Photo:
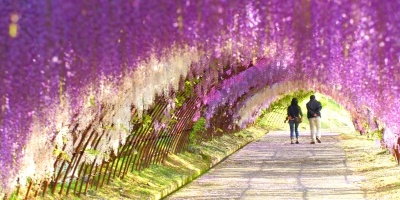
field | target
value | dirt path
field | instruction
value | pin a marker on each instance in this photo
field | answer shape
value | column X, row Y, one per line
column 272, row 168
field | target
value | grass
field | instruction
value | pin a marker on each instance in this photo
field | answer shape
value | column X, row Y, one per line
column 177, row 170
column 378, row 166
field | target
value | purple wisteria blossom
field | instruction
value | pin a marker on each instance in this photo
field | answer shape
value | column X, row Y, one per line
column 55, row 54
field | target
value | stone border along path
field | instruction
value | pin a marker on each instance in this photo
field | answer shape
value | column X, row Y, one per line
column 272, row 168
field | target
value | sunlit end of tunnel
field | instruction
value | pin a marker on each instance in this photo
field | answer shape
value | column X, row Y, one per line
column 92, row 91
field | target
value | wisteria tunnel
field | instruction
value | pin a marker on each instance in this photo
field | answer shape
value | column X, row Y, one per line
column 95, row 89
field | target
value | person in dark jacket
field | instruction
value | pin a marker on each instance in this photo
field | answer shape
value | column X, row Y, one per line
column 293, row 111
column 314, row 117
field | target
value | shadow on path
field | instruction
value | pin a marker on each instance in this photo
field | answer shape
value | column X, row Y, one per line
column 272, row 168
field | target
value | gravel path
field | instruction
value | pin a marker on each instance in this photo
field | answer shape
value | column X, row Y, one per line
column 272, row 168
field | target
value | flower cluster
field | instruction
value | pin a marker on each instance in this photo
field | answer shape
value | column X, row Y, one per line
column 70, row 67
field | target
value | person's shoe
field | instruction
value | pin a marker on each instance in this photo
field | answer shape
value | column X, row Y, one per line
column 297, row 142
column 319, row 141
column 291, row 142
column 312, row 142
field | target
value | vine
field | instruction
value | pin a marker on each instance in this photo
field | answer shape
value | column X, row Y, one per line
column 198, row 127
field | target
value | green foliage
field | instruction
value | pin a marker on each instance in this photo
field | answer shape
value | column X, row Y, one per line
column 14, row 196
column 244, row 134
column 286, row 100
column 283, row 103
column 146, row 120
column 377, row 134
column 173, row 120
column 122, row 127
column 108, row 127
column 196, row 81
column 187, row 93
column 334, row 117
column 179, row 100
column 92, row 100
column 135, row 119
column 188, row 89
column 198, row 128
column 111, row 127
column 92, row 152
column 63, row 155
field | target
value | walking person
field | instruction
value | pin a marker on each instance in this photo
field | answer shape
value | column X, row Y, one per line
column 293, row 112
column 314, row 117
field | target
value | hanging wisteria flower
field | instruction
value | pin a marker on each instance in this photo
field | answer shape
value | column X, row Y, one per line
column 73, row 67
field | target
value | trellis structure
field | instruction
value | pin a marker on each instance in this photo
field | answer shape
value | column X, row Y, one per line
column 144, row 146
